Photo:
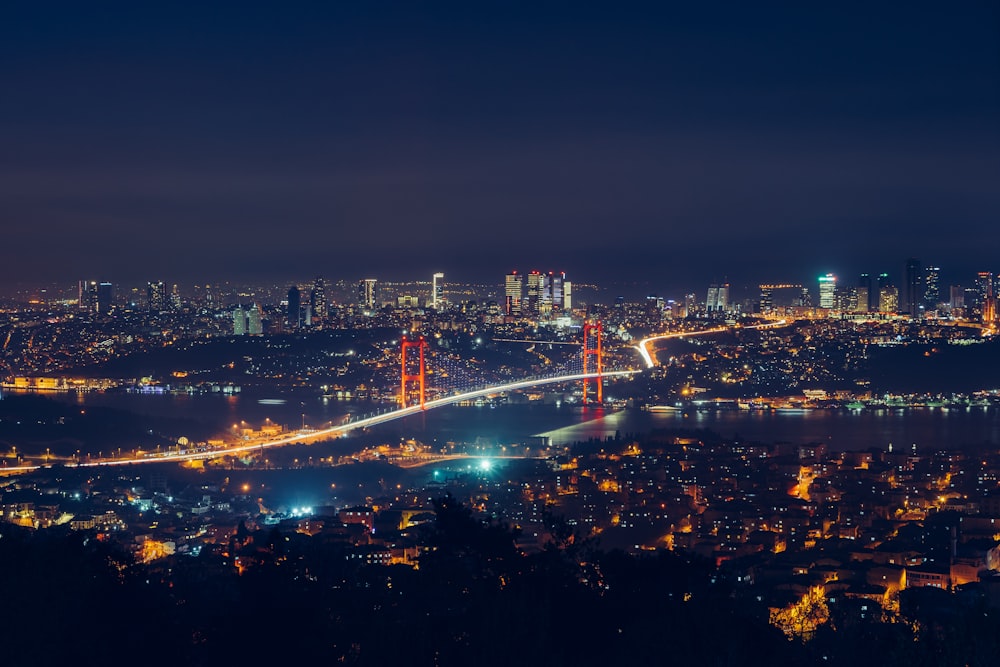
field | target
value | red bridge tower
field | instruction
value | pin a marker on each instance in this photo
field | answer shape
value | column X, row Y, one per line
column 592, row 348
column 419, row 378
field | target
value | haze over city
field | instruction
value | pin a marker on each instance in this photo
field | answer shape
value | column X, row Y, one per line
column 654, row 142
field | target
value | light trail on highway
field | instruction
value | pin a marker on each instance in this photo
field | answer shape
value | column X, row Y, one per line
column 643, row 346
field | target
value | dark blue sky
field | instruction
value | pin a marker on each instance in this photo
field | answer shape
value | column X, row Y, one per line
column 669, row 143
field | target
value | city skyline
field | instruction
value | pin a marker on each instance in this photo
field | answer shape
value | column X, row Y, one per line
column 774, row 143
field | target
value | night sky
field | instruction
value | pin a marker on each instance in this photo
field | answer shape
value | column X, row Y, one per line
column 666, row 143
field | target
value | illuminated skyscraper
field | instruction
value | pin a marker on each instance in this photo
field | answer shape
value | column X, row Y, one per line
column 805, row 298
column 156, row 296
column 437, row 291
column 932, row 289
column 766, row 300
column 556, row 291
column 254, row 325
column 871, row 303
column 888, row 298
column 827, row 291
column 513, row 289
column 239, row 321
column 293, row 316
column 984, row 286
column 535, row 293
column 317, row 300
column 567, row 289
column 989, row 302
column 717, row 300
column 913, row 288
column 368, row 294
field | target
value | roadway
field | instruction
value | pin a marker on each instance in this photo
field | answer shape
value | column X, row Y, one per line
column 647, row 355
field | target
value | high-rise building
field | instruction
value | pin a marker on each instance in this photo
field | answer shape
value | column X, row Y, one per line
column 293, row 316
column 717, row 300
column 567, row 289
column 989, row 302
column 513, row 290
column 83, row 294
column 805, row 298
column 956, row 296
column 827, row 291
column 766, row 299
column 317, row 300
column 865, row 281
column 913, row 288
column 932, row 288
column 437, row 291
column 534, row 293
column 239, row 321
column 888, row 299
column 556, row 291
column 255, row 326
column 368, row 294
column 860, row 301
column 984, row 286
column 105, row 298
column 156, row 296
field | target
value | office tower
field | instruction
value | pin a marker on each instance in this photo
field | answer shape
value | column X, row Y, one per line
column 83, row 295
column 888, row 299
column 156, row 296
column 534, row 293
column 718, row 298
column 239, row 322
column 984, row 286
column 105, row 298
column 860, row 301
column 555, row 295
column 805, row 298
column 913, row 288
column 567, row 288
column 368, row 294
column 932, row 289
column 989, row 303
column 175, row 297
column 865, row 281
column 690, row 305
column 437, row 291
column 513, row 289
column 255, row 326
column 956, row 296
column 827, row 291
column 294, row 313
column 766, row 300
column 317, row 300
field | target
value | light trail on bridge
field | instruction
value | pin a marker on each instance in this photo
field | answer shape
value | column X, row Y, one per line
column 306, row 437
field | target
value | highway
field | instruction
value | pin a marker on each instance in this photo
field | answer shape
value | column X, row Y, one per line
column 308, row 435
column 647, row 356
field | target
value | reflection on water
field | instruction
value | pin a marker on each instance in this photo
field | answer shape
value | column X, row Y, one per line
column 841, row 429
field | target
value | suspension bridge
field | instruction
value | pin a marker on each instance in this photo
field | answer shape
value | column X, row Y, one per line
column 586, row 367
